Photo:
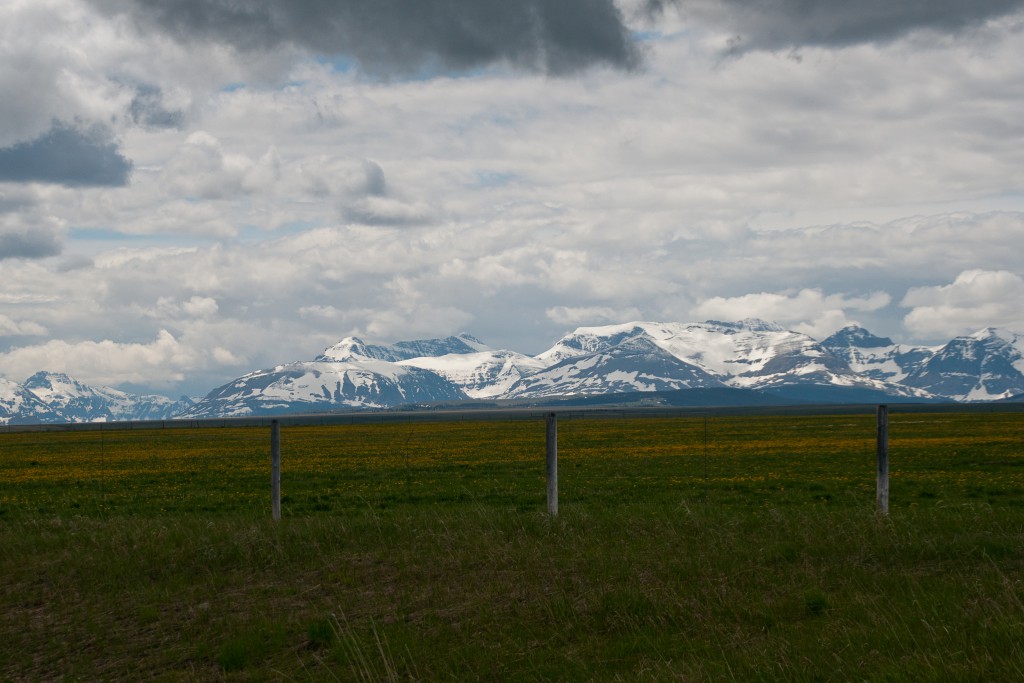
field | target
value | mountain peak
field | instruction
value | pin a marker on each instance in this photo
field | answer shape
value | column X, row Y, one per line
column 48, row 378
column 749, row 324
column 353, row 348
column 420, row 348
column 759, row 325
column 469, row 338
column 983, row 366
column 348, row 348
column 990, row 333
column 57, row 397
column 56, row 386
column 855, row 335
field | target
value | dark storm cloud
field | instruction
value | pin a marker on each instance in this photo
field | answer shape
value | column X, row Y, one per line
column 774, row 24
column 33, row 244
column 66, row 156
column 408, row 36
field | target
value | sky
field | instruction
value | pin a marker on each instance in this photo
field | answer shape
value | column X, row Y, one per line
column 194, row 189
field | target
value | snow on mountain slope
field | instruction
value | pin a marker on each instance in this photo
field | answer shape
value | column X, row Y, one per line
column 746, row 354
column 79, row 402
column 720, row 348
column 325, row 385
column 633, row 364
column 738, row 349
column 18, row 405
column 484, row 374
column 465, row 361
column 985, row 366
column 751, row 354
column 876, row 357
column 851, row 364
column 353, row 348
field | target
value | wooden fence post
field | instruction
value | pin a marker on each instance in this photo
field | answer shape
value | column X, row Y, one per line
column 275, row 470
column 882, row 488
column 552, row 461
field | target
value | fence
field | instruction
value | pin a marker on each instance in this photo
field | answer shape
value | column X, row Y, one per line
column 377, row 461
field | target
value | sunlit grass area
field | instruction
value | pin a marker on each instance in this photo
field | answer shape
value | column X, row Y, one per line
column 723, row 548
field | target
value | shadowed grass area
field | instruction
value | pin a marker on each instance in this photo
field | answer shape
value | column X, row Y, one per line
column 435, row 559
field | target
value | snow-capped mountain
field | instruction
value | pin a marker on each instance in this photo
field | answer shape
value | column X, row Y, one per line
column 749, row 349
column 752, row 354
column 79, row 402
column 751, row 360
column 53, row 397
column 591, row 361
column 633, row 364
column 481, row 374
column 876, row 357
column 985, row 366
column 314, row 386
column 466, row 362
column 18, row 405
column 68, row 396
column 353, row 348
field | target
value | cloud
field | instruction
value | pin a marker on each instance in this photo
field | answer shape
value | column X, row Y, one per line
column 407, row 36
column 167, row 309
column 25, row 328
column 809, row 310
column 410, row 322
column 62, row 60
column 782, row 24
column 371, row 202
column 147, row 109
column 37, row 68
column 26, row 232
column 386, row 211
column 590, row 315
column 201, row 167
column 164, row 359
column 67, row 156
column 200, row 307
column 253, row 224
column 325, row 313
column 36, row 243
column 975, row 299
column 376, row 184
column 863, row 257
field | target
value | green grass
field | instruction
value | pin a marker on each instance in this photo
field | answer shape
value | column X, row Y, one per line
column 422, row 552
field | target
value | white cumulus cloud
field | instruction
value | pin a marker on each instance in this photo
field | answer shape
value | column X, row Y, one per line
column 976, row 298
column 808, row 310
column 162, row 361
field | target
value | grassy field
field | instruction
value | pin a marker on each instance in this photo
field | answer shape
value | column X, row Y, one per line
column 730, row 548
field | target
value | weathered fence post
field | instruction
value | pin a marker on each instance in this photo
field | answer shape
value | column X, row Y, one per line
column 275, row 470
column 552, row 449
column 882, row 488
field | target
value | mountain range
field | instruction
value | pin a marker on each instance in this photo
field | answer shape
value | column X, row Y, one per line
column 54, row 397
column 751, row 362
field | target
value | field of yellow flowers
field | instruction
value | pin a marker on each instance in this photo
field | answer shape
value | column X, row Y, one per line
column 749, row 461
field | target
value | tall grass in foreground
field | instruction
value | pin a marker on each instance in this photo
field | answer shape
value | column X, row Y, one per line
column 772, row 566
column 695, row 593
